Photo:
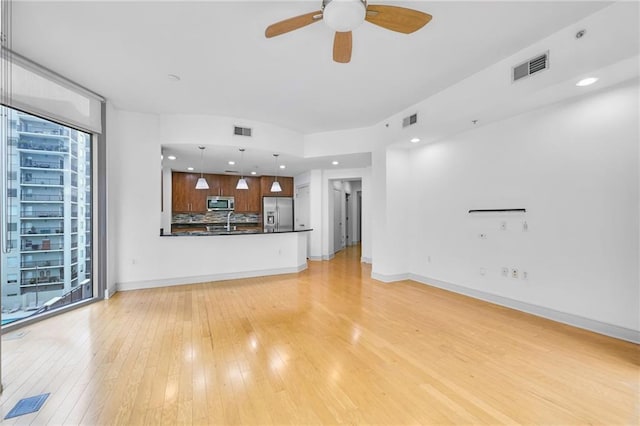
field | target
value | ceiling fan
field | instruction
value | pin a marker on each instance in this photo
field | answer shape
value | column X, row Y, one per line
column 343, row 16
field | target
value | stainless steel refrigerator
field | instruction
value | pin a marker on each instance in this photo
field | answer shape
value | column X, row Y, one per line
column 277, row 214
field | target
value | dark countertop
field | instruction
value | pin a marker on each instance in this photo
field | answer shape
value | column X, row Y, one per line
column 236, row 232
column 187, row 224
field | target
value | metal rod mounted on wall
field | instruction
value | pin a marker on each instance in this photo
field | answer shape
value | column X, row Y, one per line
column 497, row 210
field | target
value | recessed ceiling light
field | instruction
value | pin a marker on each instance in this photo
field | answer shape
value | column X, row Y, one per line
column 171, row 157
column 335, row 163
column 415, row 140
column 254, row 173
column 190, row 169
column 282, row 166
column 586, row 81
column 231, row 163
column 173, row 77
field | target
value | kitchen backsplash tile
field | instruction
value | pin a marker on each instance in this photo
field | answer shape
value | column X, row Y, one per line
column 215, row 217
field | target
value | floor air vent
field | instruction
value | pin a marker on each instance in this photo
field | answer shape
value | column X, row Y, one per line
column 532, row 66
column 408, row 121
column 27, row 405
column 241, row 131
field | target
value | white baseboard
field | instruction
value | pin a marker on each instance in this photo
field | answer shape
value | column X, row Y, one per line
column 540, row 311
column 139, row 285
column 365, row 260
column 328, row 256
column 389, row 278
column 315, row 258
column 110, row 292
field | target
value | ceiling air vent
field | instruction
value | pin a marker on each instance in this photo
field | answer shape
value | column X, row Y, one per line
column 532, row 66
column 241, row 131
column 408, row 121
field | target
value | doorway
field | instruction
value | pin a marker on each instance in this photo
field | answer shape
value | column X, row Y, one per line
column 347, row 223
column 338, row 241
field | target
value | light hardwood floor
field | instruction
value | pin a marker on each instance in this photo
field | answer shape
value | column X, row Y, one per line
column 326, row 346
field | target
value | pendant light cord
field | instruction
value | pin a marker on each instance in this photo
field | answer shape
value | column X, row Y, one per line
column 275, row 156
column 201, row 161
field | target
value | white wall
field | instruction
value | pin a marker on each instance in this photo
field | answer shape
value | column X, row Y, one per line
column 574, row 167
column 215, row 130
column 390, row 256
column 142, row 258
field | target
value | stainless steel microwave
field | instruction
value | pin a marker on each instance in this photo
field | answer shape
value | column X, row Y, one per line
column 216, row 203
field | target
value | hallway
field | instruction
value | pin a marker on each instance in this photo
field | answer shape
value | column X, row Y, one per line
column 326, row 346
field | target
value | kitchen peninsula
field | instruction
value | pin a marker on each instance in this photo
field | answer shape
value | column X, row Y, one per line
column 213, row 254
column 219, row 257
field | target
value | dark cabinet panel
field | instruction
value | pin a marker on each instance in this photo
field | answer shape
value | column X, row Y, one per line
column 286, row 183
column 220, row 184
column 186, row 198
column 184, row 195
column 248, row 200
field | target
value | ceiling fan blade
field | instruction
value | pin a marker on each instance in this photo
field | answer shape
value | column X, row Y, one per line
column 342, row 47
column 292, row 24
column 396, row 18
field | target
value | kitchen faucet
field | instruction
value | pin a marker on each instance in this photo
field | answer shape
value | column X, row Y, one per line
column 229, row 221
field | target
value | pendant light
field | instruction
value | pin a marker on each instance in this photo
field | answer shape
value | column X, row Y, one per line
column 275, row 186
column 202, row 182
column 242, row 182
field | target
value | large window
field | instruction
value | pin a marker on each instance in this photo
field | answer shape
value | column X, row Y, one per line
column 47, row 260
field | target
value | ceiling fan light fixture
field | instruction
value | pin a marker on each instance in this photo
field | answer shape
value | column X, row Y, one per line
column 344, row 15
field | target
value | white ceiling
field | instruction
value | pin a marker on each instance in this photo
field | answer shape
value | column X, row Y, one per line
column 125, row 50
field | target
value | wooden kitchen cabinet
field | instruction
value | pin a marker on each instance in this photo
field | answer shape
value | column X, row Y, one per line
column 186, row 198
column 248, row 200
column 227, row 185
column 184, row 195
column 221, row 185
column 286, row 183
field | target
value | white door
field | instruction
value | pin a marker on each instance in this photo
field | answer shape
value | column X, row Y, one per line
column 338, row 242
column 302, row 208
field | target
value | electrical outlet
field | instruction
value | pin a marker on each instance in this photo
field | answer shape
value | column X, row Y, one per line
column 483, row 271
column 428, row 259
column 505, row 272
column 525, row 275
column 514, row 273
column 525, row 226
column 503, row 225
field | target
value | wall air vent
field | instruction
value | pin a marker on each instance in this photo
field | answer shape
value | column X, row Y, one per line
column 532, row 66
column 241, row 131
column 408, row 121
column 232, row 172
